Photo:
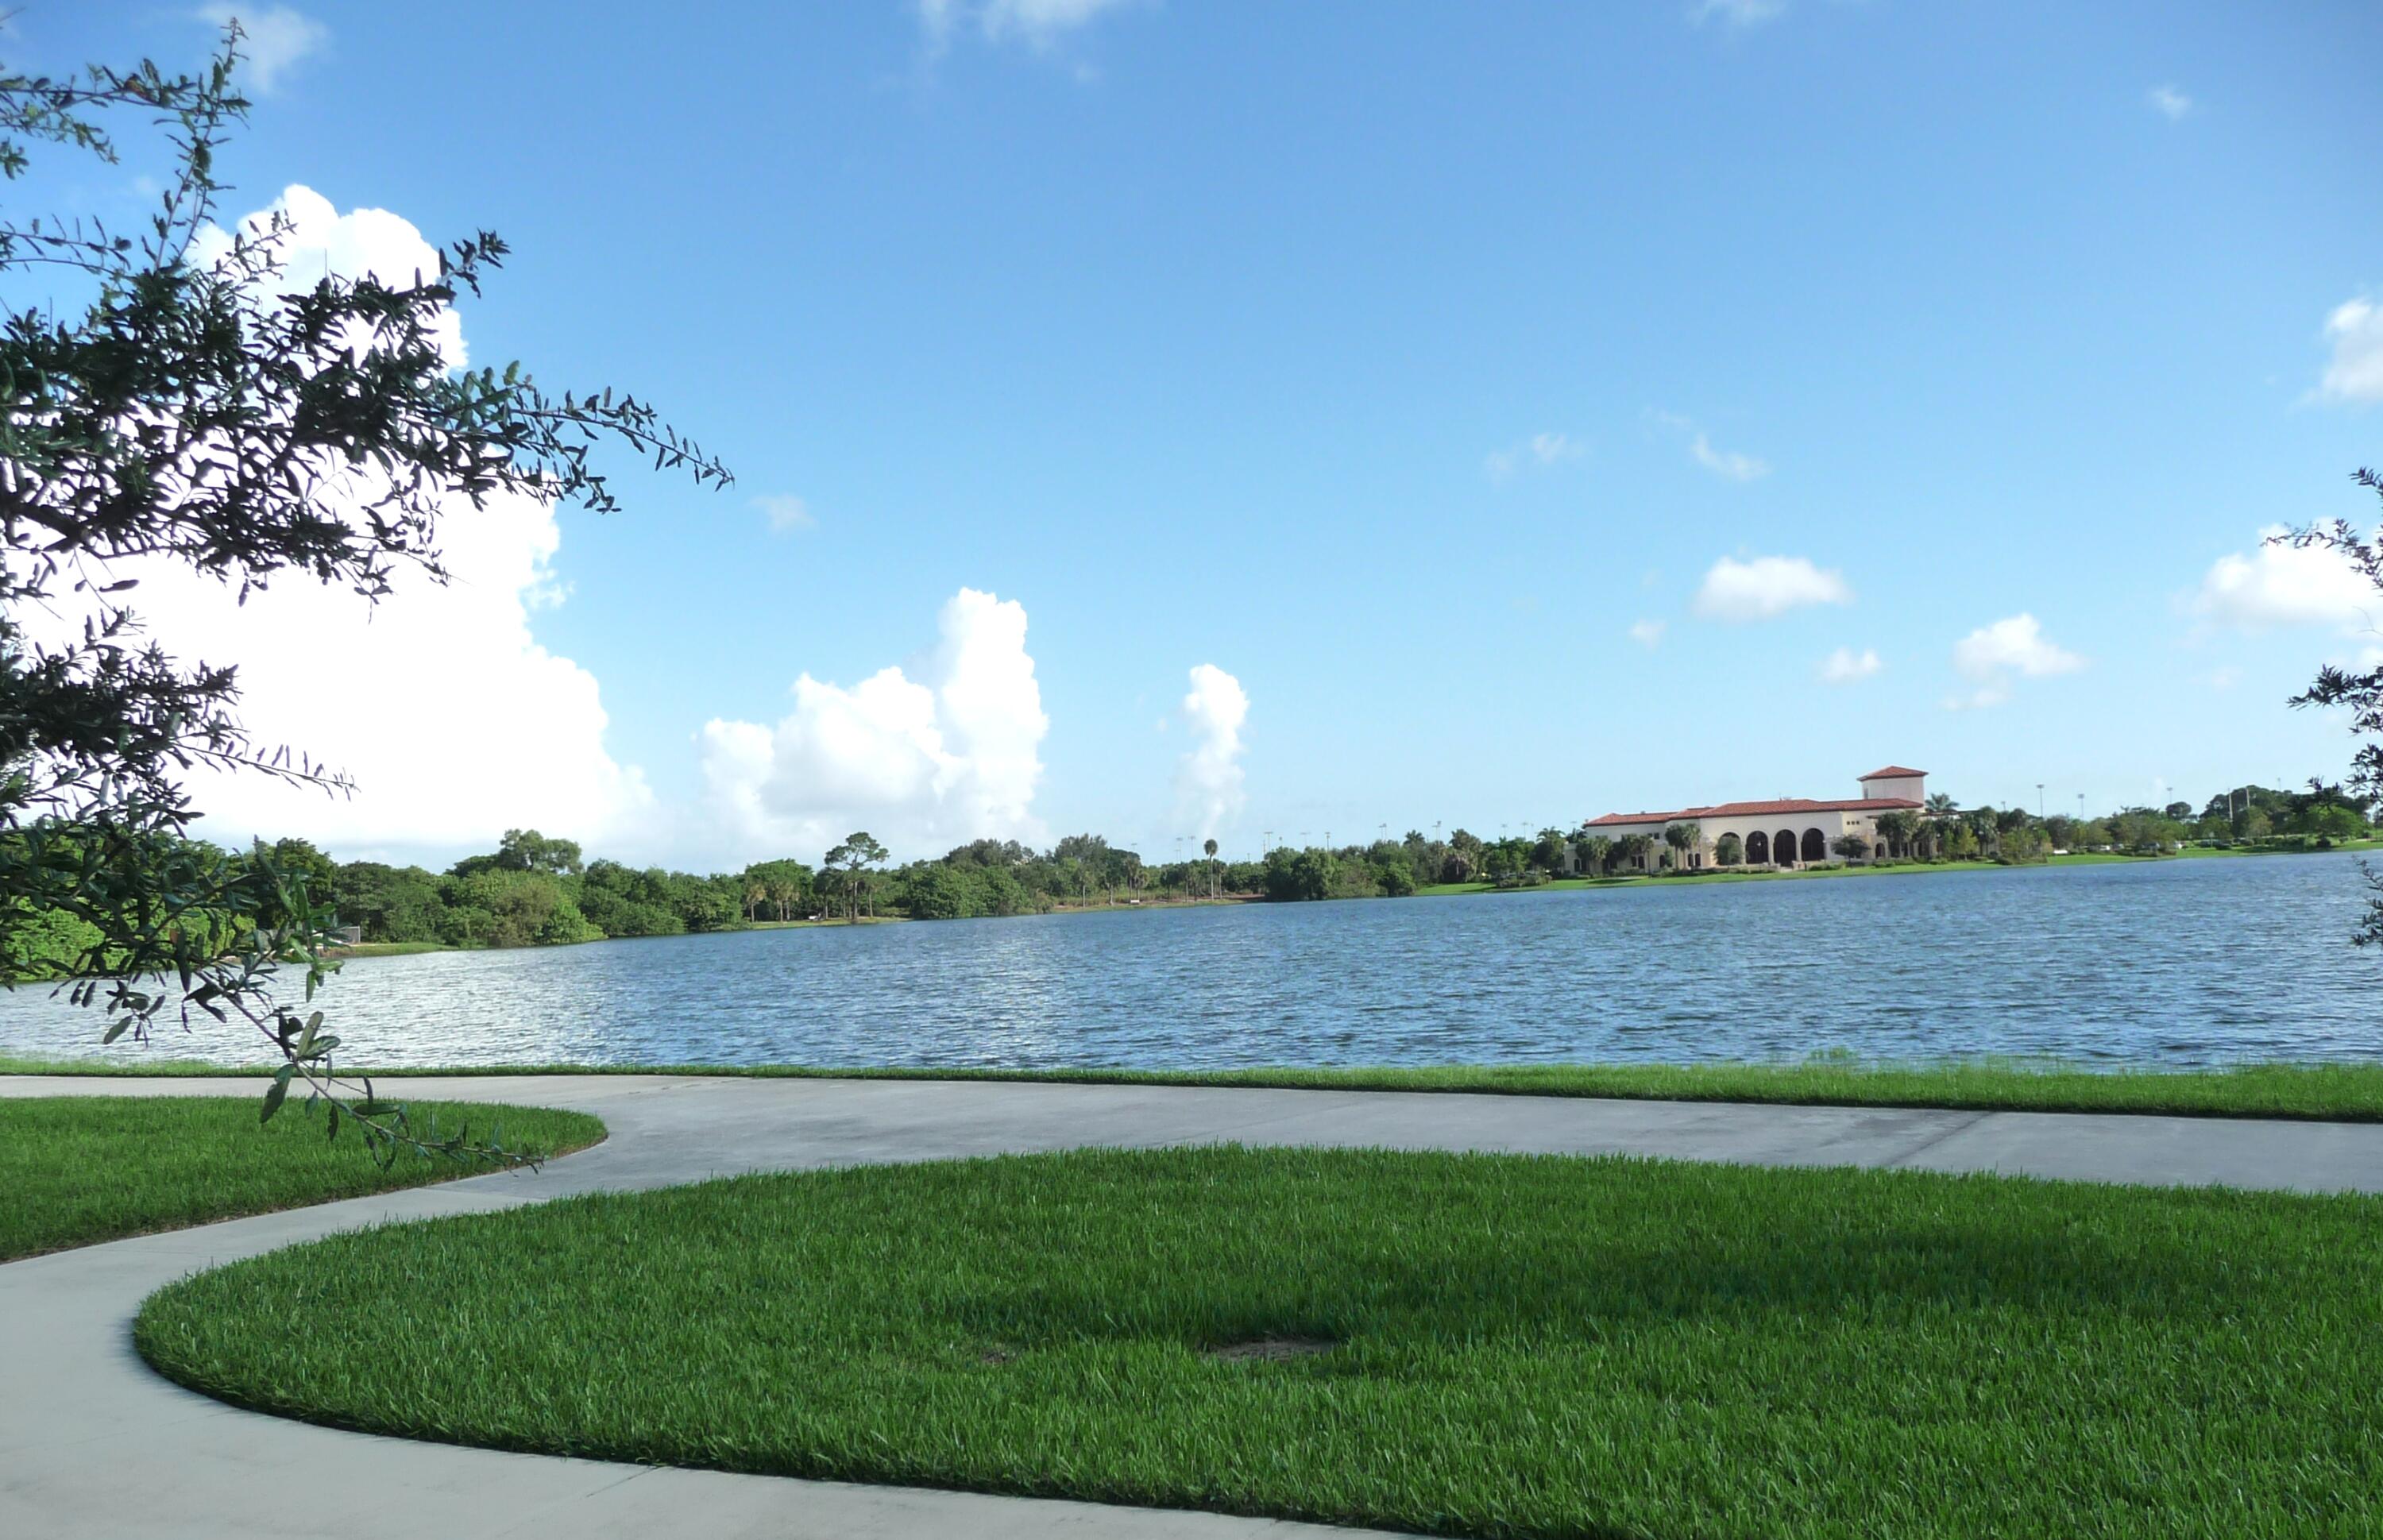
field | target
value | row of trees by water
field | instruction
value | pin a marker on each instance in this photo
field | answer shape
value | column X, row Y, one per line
column 534, row 889
column 2249, row 817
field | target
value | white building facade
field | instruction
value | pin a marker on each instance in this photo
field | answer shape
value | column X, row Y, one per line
column 1785, row 831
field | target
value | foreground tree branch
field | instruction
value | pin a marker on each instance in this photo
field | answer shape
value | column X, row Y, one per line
column 2361, row 690
column 181, row 400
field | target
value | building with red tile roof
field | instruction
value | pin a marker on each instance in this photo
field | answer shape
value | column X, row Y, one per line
column 1787, row 832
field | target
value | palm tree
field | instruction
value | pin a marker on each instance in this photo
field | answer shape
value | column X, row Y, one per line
column 1695, row 840
column 835, row 883
column 1208, row 847
column 1677, row 836
column 1928, row 826
column 1598, row 850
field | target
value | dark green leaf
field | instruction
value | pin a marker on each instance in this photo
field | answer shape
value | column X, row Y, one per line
column 275, row 1094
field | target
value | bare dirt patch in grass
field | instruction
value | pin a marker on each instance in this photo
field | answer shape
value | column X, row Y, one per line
column 1271, row 1350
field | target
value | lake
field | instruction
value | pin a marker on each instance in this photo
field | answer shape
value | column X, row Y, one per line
column 2176, row 962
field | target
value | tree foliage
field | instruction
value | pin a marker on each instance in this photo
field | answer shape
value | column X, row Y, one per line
column 173, row 397
column 2360, row 690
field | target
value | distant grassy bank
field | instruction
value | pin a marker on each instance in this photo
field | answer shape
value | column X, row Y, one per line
column 812, row 924
column 384, row 949
column 2329, row 1092
column 1898, row 869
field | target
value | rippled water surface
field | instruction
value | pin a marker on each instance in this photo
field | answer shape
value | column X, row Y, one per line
column 2179, row 962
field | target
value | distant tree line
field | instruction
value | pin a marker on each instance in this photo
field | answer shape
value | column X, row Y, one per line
column 2251, row 816
column 538, row 891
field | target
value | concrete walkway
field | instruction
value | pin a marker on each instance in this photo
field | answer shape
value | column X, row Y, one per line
column 94, row 1445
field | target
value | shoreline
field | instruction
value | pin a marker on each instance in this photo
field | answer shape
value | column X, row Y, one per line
column 2329, row 1091
column 1892, row 868
column 370, row 950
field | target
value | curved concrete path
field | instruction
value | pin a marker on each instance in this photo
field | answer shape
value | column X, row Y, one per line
column 94, row 1445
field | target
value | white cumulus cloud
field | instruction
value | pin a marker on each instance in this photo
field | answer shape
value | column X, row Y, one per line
column 1540, row 449
column 1845, row 665
column 1728, row 464
column 1763, row 587
column 454, row 721
column 2283, row 584
column 442, row 704
column 943, row 751
column 1208, row 781
column 1647, row 634
column 273, row 39
column 1037, row 22
column 785, row 512
column 2169, row 102
column 2355, row 372
column 1738, row 13
column 1991, row 655
column 320, row 241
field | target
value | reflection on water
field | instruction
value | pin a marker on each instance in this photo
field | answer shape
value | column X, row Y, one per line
column 2175, row 961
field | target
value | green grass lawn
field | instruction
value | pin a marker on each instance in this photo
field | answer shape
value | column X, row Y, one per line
column 82, row 1169
column 817, row 924
column 385, row 949
column 1900, row 869
column 1465, row 1345
column 1764, row 874
column 2327, row 1092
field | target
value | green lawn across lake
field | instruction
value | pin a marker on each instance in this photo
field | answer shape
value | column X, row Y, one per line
column 76, row 1170
column 1465, row 1345
column 1890, row 868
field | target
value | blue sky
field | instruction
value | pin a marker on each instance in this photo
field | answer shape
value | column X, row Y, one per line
column 1399, row 363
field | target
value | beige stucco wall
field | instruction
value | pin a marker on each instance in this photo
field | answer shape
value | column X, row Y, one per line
column 1832, row 825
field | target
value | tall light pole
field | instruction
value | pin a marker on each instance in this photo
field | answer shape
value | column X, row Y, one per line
column 2039, row 801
